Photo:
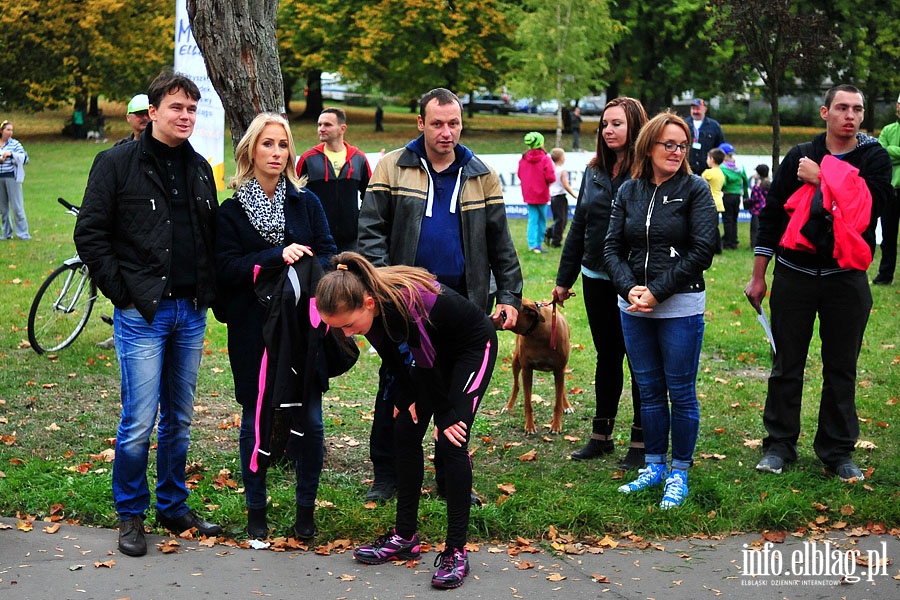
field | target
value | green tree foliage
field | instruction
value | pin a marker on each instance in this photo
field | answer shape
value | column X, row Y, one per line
column 407, row 47
column 666, row 50
column 869, row 50
column 314, row 37
column 561, row 50
column 779, row 39
column 57, row 52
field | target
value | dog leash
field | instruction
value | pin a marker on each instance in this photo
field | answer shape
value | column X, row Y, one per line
column 553, row 326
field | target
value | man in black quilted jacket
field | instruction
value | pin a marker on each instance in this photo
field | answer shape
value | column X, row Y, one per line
column 146, row 230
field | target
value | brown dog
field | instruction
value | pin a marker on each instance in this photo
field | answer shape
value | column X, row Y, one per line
column 533, row 352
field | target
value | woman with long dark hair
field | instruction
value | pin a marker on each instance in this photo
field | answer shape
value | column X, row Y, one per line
column 620, row 123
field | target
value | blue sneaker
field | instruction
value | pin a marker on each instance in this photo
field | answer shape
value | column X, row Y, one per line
column 652, row 475
column 388, row 547
column 452, row 567
column 676, row 490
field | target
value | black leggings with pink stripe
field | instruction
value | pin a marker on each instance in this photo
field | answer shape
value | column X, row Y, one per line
column 463, row 380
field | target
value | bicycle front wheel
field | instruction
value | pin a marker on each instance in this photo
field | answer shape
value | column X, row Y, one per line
column 61, row 308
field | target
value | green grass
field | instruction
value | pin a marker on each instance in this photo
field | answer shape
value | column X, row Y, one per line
column 58, row 413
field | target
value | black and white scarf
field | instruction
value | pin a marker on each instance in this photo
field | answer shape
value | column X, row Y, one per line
column 266, row 216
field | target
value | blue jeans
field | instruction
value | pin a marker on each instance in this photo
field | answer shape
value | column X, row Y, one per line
column 665, row 357
column 537, row 224
column 159, row 363
column 307, row 469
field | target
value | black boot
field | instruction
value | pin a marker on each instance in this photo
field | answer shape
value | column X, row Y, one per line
column 601, row 441
column 257, row 526
column 634, row 458
column 305, row 527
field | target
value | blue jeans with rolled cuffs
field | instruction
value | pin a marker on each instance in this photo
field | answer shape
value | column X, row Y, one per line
column 159, row 363
column 665, row 358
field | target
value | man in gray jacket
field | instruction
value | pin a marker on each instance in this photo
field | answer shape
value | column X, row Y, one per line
column 434, row 204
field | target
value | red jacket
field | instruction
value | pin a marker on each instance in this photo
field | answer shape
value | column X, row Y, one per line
column 536, row 173
column 848, row 200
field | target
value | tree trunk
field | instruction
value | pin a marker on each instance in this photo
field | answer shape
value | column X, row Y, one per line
column 240, row 49
column 314, row 102
column 776, row 131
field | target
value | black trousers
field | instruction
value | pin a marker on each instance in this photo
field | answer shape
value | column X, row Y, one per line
column 559, row 206
column 730, row 220
column 842, row 303
column 605, row 321
column 890, row 219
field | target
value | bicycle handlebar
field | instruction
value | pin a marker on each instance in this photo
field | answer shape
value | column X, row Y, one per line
column 68, row 205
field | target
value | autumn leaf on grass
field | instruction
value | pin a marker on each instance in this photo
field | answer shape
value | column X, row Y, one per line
column 820, row 507
column 776, row 537
column 552, row 533
column 507, row 488
column 892, row 401
column 865, row 445
column 108, row 455
column 847, row 510
column 530, row 455
column 753, row 443
column 8, row 440
column 715, row 456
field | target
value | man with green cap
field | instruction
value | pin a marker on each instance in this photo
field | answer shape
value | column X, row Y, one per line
column 536, row 173
column 138, row 116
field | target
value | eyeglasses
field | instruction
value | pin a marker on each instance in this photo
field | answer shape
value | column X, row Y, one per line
column 672, row 147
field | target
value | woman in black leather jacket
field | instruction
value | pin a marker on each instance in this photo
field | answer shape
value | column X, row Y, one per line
column 620, row 123
column 661, row 238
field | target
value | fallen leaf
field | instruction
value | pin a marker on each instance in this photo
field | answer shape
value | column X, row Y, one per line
column 109, row 564
column 776, row 537
column 507, row 488
column 524, row 565
column 847, row 510
column 528, row 456
column 556, row 577
column 24, row 525
column 753, row 443
column 51, row 529
column 600, row 578
column 346, row 577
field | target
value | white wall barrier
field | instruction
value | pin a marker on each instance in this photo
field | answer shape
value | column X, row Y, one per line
column 507, row 166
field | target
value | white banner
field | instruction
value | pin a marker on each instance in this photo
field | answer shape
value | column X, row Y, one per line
column 507, row 167
column 208, row 138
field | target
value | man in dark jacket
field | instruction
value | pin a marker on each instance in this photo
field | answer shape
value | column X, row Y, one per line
column 812, row 283
column 706, row 135
column 146, row 230
column 434, row 204
column 338, row 174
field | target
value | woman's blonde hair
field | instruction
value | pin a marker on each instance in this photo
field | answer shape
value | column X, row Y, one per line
column 649, row 135
column 396, row 287
column 243, row 160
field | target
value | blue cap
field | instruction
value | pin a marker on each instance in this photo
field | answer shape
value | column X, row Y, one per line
column 726, row 148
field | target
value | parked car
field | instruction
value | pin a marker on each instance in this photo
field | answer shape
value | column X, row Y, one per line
column 525, row 105
column 492, row 103
column 590, row 107
column 548, row 107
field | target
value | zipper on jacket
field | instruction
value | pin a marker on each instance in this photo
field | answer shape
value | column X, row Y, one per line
column 647, row 231
column 153, row 203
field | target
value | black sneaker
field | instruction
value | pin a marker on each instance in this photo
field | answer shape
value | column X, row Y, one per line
column 848, row 472
column 771, row 463
column 879, row 280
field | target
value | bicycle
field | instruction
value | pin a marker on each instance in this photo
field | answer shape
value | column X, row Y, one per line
column 63, row 303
